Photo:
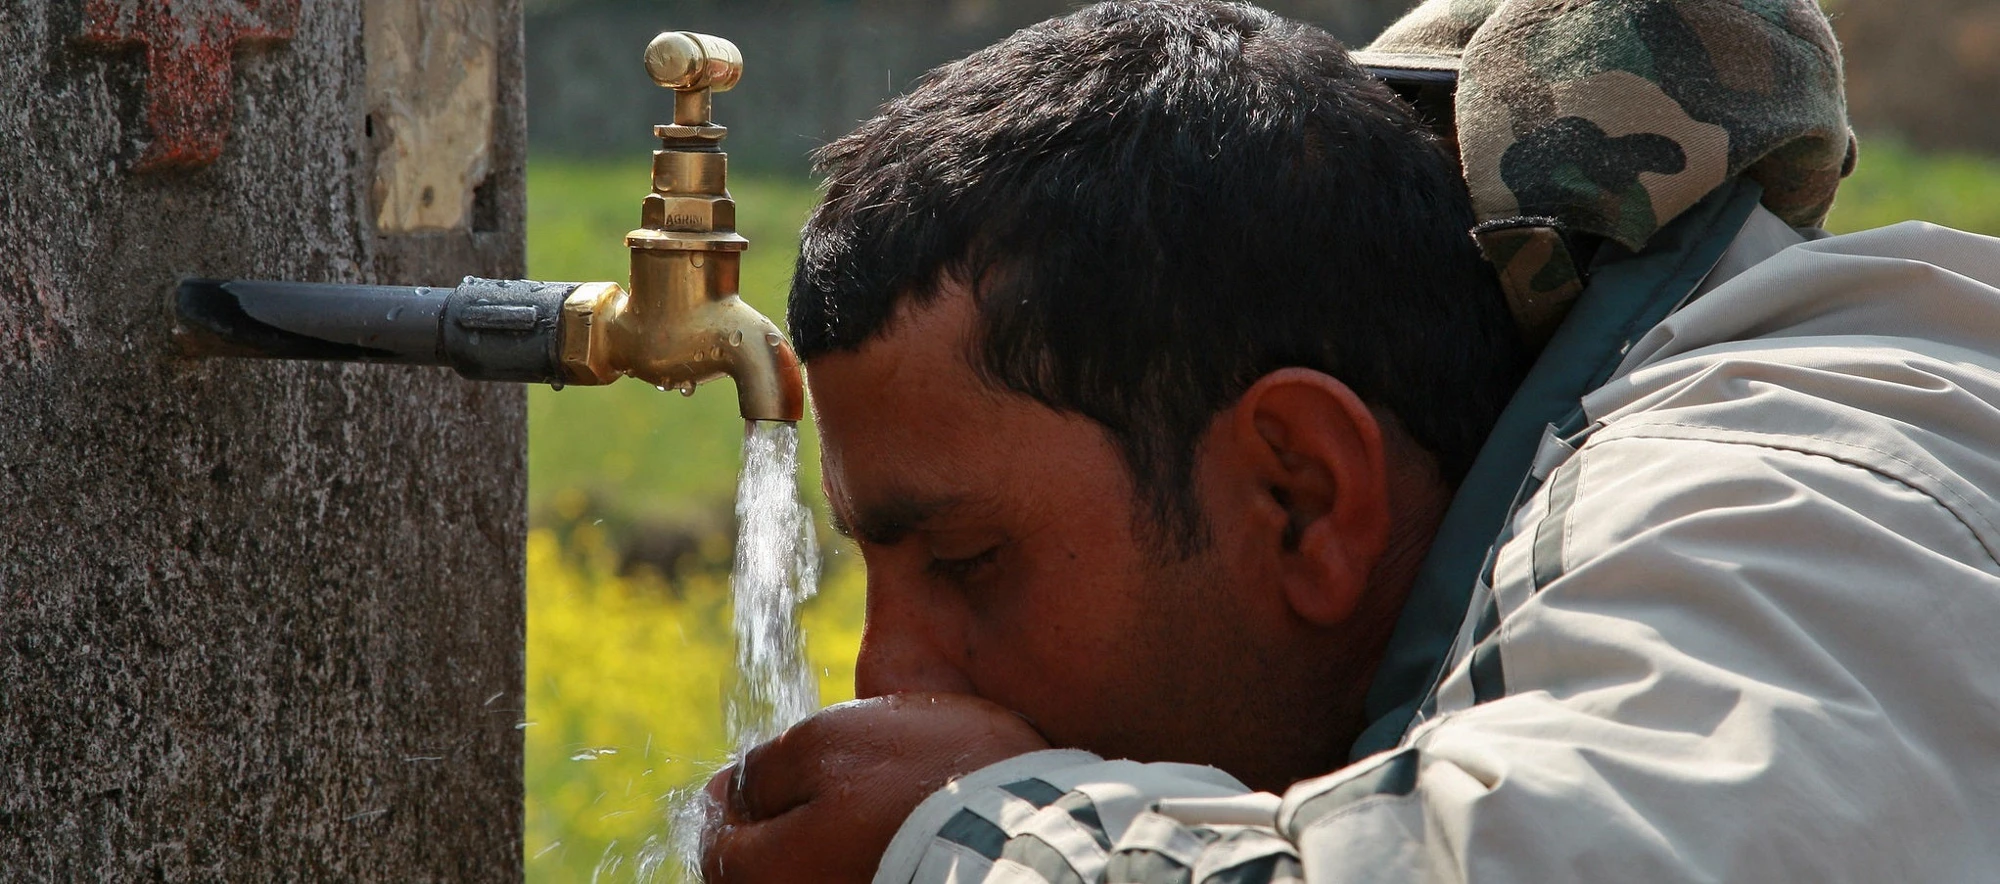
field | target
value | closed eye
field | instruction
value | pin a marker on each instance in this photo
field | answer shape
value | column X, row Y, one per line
column 961, row 570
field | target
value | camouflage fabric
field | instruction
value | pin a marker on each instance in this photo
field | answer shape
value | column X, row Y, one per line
column 1431, row 37
column 1611, row 117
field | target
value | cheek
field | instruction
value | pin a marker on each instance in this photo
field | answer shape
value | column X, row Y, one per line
column 1079, row 575
column 1054, row 635
column 1057, row 637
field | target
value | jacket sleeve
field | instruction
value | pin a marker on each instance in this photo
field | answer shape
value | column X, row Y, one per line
column 1704, row 660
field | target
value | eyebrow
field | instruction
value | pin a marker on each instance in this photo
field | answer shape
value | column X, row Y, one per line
column 887, row 521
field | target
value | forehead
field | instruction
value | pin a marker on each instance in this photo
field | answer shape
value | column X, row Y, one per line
column 906, row 416
column 912, row 378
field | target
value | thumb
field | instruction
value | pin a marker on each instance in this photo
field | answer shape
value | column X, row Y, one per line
column 775, row 777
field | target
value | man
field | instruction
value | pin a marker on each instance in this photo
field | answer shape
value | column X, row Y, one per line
column 1172, row 411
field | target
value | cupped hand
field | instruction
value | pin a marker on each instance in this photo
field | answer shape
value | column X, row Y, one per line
column 820, row 802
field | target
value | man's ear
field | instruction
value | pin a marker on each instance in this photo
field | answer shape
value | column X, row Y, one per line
column 1316, row 451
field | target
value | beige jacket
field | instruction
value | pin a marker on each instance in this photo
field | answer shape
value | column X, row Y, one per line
column 1747, row 630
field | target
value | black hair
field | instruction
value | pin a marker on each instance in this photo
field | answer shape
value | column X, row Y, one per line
column 1155, row 204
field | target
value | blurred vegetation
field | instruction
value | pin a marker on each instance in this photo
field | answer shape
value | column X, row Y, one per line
column 631, row 495
column 1894, row 182
column 626, row 445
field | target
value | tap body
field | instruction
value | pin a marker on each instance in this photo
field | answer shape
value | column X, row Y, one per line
column 682, row 323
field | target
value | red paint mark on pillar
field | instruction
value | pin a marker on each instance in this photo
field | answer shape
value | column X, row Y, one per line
column 190, row 47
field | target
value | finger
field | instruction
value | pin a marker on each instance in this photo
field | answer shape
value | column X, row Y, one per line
column 721, row 791
column 777, row 776
column 737, row 853
column 788, row 848
column 788, row 771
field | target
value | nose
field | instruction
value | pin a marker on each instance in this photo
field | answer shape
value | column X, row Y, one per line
column 909, row 642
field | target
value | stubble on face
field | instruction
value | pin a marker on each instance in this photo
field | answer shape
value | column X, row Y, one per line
column 1080, row 621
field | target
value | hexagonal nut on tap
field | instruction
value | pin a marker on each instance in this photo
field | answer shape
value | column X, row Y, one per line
column 583, row 343
column 686, row 62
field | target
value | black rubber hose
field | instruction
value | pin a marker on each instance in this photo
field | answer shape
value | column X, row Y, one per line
column 485, row 329
column 299, row 320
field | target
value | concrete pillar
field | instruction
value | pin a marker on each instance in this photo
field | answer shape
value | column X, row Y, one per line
column 258, row 621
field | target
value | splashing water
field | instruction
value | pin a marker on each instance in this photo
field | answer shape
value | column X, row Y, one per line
column 777, row 569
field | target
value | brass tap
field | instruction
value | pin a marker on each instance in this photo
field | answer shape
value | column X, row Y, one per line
column 684, row 323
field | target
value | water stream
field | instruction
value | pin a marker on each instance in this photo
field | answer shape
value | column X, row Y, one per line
column 776, row 570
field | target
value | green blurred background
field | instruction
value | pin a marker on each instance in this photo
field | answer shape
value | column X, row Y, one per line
column 631, row 489
column 631, row 493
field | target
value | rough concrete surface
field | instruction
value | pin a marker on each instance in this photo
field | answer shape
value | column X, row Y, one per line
column 258, row 621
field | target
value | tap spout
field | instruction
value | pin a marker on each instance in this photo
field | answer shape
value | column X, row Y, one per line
column 769, row 385
column 679, row 342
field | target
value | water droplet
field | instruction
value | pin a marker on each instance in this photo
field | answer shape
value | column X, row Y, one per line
column 555, row 385
column 773, row 338
column 736, row 338
column 394, row 312
column 660, row 387
column 687, row 389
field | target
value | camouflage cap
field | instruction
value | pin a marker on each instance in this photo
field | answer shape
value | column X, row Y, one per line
column 1429, row 38
column 1611, row 117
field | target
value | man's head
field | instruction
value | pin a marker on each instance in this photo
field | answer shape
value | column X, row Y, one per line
column 1138, row 341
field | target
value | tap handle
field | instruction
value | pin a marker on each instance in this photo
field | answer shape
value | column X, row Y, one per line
column 685, row 61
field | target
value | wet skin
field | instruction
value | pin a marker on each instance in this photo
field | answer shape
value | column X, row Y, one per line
column 1009, row 561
